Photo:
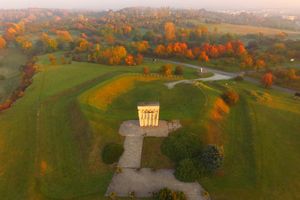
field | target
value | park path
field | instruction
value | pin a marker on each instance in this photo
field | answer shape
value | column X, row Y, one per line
column 215, row 77
column 232, row 75
column 144, row 182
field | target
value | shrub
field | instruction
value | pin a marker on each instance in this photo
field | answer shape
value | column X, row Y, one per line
column 231, row 97
column 211, row 158
column 167, row 194
column 186, row 171
column 111, row 153
column 180, row 145
column 2, row 77
column 179, row 70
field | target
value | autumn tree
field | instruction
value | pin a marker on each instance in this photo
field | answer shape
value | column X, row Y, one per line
column 170, row 31
column 203, row 57
column 267, row 79
column 83, row 45
column 260, row 64
column 139, row 59
column 146, row 70
column 167, row 69
column 64, row 36
column 129, row 60
column 160, row 50
column 2, row 42
column 114, row 55
column 141, row 46
column 52, row 59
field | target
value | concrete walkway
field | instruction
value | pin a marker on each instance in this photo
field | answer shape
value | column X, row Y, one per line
column 215, row 77
column 144, row 182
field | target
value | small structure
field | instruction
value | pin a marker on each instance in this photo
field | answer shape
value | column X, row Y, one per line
column 148, row 114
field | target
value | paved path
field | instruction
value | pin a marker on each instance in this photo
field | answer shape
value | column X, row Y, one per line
column 232, row 75
column 146, row 181
column 215, row 77
column 131, row 158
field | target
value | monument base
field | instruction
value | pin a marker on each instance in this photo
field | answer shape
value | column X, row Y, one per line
column 132, row 128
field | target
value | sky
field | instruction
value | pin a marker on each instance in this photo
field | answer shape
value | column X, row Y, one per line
column 117, row 4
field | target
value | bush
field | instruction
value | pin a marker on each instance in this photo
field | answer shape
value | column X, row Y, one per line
column 186, row 171
column 167, row 194
column 231, row 97
column 211, row 158
column 111, row 153
column 179, row 70
column 180, row 145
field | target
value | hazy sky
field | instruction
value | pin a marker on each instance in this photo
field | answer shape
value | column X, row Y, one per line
column 115, row 4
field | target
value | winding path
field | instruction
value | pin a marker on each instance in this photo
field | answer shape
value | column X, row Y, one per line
column 230, row 74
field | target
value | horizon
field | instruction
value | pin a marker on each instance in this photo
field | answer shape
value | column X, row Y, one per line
column 293, row 5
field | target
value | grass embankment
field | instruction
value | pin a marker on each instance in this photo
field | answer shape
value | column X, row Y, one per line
column 261, row 147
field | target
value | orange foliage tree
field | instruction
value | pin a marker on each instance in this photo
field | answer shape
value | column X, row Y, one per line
column 267, row 79
column 203, row 57
column 129, row 60
column 2, row 42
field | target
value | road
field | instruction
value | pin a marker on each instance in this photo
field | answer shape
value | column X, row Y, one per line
column 231, row 74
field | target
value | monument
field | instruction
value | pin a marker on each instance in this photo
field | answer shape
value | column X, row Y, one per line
column 148, row 114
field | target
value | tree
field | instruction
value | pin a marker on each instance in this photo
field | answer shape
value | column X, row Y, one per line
column 167, row 69
column 146, row 70
column 211, row 158
column 181, row 145
column 179, row 70
column 82, row 45
column 186, row 171
column 260, row 64
column 2, row 42
column 52, row 59
column 231, row 97
column 203, row 57
column 267, row 79
column 141, row 46
column 129, row 60
column 139, row 59
column 111, row 153
column 160, row 50
column 170, row 31
column 189, row 54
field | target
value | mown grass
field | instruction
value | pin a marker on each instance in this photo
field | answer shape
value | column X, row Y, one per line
column 261, row 148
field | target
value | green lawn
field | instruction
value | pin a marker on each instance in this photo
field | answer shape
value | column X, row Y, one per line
column 10, row 74
column 261, row 150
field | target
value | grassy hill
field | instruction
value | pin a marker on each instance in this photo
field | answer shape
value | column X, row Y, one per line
column 51, row 139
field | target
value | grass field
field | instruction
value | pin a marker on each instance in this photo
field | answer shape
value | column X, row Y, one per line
column 10, row 71
column 51, row 139
column 245, row 29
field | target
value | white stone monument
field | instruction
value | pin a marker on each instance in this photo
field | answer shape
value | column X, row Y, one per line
column 148, row 114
